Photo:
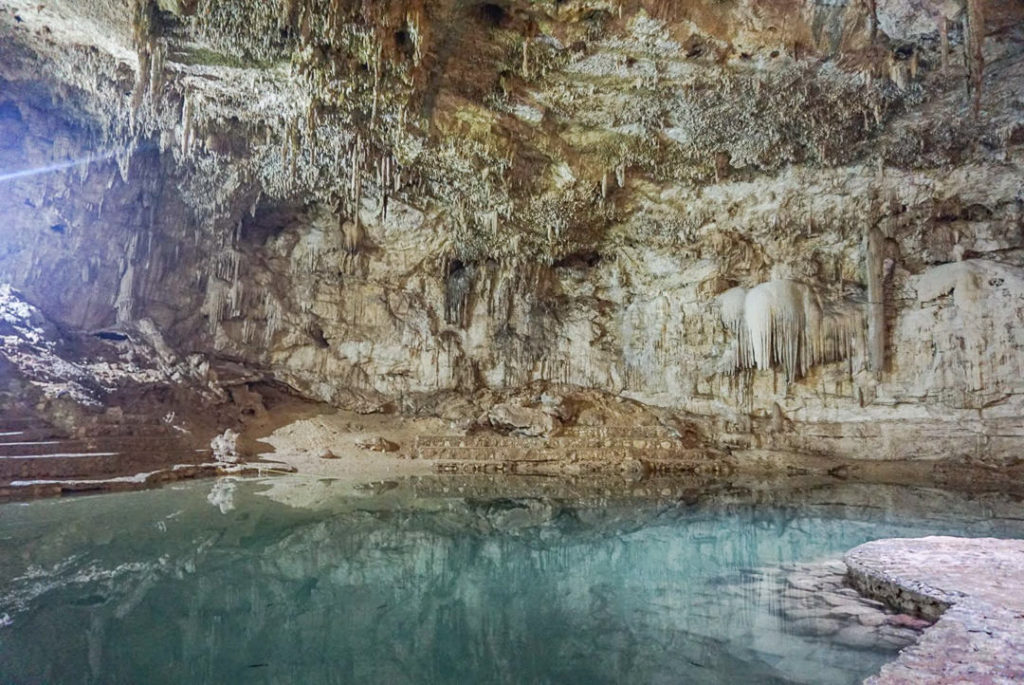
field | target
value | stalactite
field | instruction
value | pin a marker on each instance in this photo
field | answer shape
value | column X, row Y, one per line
column 784, row 324
column 186, row 125
column 973, row 51
column 377, row 68
column 352, row 237
column 897, row 72
column 156, row 69
column 142, row 81
column 873, row 248
column 944, row 43
column 124, row 303
column 731, row 309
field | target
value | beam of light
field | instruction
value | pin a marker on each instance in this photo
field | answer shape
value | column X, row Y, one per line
column 25, row 173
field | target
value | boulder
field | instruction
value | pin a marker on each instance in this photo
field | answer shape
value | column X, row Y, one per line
column 524, row 421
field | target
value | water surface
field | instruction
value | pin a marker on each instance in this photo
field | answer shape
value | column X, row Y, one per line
column 437, row 581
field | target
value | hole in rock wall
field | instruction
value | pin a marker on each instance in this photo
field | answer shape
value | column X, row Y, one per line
column 317, row 334
column 694, row 47
column 491, row 14
column 111, row 335
column 458, row 285
column 586, row 259
column 58, row 228
column 268, row 221
column 404, row 44
column 903, row 52
column 976, row 212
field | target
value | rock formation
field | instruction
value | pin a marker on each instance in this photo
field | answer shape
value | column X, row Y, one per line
column 801, row 221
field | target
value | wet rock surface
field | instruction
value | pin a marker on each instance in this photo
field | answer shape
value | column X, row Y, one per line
column 974, row 588
column 817, row 601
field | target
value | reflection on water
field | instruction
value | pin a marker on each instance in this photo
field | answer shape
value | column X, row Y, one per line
column 422, row 583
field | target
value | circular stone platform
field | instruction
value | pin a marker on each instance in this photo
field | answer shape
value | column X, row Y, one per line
column 974, row 586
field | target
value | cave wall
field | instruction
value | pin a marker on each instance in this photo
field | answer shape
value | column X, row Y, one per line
column 343, row 198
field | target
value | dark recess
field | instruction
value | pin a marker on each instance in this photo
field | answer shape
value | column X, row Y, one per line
column 403, row 43
column 9, row 112
column 319, row 339
column 111, row 335
column 586, row 259
column 269, row 220
column 491, row 14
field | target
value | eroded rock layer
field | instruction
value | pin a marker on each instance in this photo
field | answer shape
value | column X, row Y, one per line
column 801, row 220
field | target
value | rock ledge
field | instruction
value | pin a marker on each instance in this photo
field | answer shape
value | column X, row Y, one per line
column 972, row 585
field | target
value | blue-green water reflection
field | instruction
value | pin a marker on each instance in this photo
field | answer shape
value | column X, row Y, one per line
column 197, row 585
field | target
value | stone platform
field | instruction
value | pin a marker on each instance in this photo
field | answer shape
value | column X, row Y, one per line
column 974, row 586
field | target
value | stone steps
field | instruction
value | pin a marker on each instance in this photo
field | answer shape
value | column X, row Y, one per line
column 46, row 448
column 32, row 449
column 557, row 442
column 10, row 422
column 573, row 443
column 619, row 432
column 541, row 453
column 141, row 425
column 26, row 433
column 91, row 465
column 609, row 444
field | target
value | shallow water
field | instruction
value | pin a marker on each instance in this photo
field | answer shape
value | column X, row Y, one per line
column 430, row 581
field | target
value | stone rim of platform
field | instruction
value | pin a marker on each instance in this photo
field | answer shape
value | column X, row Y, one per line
column 973, row 586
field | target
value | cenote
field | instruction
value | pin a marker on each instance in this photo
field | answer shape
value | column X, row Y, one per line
column 511, row 341
column 442, row 580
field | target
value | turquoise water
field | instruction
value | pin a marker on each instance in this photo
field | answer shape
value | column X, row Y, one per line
column 417, row 582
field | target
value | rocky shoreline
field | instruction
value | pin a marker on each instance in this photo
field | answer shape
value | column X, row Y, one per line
column 971, row 585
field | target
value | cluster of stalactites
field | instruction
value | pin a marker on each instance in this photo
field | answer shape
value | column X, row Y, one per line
column 784, row 323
